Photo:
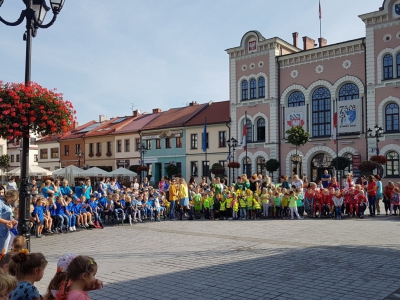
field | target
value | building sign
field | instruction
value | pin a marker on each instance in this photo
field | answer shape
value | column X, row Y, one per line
column 356, row 162
column 252, row 46
column 396, row 8
column 124, row 163
column 349, row 116
column 163, row 135
column 295, row 116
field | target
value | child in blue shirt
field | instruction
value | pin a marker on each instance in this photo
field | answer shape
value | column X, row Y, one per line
column 61, row 213
column 39, row 217
column 70, row 213
column 93, row 208
column 85, row 212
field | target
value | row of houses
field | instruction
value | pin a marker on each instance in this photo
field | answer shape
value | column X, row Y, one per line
column 346, row 95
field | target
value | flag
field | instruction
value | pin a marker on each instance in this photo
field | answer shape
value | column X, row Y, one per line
column 228, row 158
column 320, row 10
column 335, row 123
column 204, row 144
column 244, row 143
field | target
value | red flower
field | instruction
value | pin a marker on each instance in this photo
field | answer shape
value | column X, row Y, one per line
column 32, row 119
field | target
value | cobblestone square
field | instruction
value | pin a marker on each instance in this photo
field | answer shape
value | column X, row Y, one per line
column 265, row 259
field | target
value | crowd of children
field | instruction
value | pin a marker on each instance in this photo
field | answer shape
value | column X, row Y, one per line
column 19, row 270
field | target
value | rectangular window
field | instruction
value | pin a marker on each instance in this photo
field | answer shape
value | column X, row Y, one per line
column 35, row 158
column 77, row 148
column 206, row 167
column 54, row 153
column 222, row 139
column 43, row 154
column 98, row 148
column 109, row 147
column 137, row 143
column 178, row 142
column 167, row 143
column 127, row 145
column 17, row 158
column 66, row 150
column 91, row 148
column 148, row 144
column 193, row 141
column 12, row 158
column 194, row 168
column 119, row 146
column 179, row 166
column 158, row 143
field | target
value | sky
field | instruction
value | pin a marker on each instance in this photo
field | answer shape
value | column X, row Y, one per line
column 107, row 58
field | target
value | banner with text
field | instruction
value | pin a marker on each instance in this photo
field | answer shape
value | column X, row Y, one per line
column 349, row 116
column 295, row 116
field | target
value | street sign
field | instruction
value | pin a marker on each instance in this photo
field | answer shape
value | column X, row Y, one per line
column 150, row 160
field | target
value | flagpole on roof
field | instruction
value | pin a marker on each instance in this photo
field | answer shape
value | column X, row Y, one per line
column 245, row 122
column 204, row 145
column 320, row 20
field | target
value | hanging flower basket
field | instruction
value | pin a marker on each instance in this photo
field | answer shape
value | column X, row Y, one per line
column 234, row 165
column 108, row 153
column 33, row 109
column 98, row 154
column 91, row 154
column 380, row 159
column 142, row 168
column 368, row 166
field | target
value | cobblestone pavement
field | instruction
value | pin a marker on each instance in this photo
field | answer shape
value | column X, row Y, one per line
column 262, row 259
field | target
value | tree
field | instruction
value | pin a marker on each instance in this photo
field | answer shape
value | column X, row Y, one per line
column 272, row 165
column 297, row 136
column 340, row 163
column 4, row 160
column 171, row 170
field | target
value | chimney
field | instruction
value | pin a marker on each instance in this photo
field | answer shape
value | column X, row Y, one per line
column 135, row 113
column 102, row 118
column 156, row 110
column 295, row 37
column 76, row 125
column 322, row 42
column 308, row 43
column 193, row 103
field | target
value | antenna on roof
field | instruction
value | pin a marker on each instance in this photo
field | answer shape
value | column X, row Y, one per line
column 133, row 105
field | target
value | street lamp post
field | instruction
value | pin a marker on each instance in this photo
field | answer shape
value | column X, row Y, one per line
column 296, row 161
column 142, row 150
column 79, row 155
column 232, row 144
column 378, row 133
column 34, row 14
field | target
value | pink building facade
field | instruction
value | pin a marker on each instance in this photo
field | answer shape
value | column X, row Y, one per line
column 336, row 92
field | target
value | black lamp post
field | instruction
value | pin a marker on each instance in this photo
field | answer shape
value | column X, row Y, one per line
column 232, row 143
column 378, row 133
column 296, row 159
column 34, row 14
column 79, row 155
column 142, row 150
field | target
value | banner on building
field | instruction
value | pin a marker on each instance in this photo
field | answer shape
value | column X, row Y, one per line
column 349, row 116
column 295, row 116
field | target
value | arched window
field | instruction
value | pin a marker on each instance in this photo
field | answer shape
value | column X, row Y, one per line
column 349, row 91
column 247, row 166
column 245, row 90
column 261, row 87
column 249, row 136
column 392, row 165
column 296, row 99
column 392, row 117
column 260, row 165
column 260, row 130
column 321, row 112
column 388, row 66
column 398, row 65
column 253, row 88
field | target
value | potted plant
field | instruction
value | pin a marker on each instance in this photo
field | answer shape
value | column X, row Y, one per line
column 340, row 163
column 234, row 165
column 142, row 168
column 368, row 166
column 217, row 169
column 31, row 108
column 272, row 166
column 380, row 159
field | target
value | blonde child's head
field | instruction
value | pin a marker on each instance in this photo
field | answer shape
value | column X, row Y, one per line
column 7, row 284
column 249, row 192
column 18, row 243
column 265, row 191
column 11, row 196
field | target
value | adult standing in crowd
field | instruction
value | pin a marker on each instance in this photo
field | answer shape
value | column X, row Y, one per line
column 379, row 193
column 87, row 189
column 173, row 197
column 334, row 183
column 6, row 219
column 285, row 182
column 371, row 191
column 48, row 188
column 12, row 185
column 102, row 188
column 254, row 184
column 326, row 179
column 387, row 195
column 183, row 197
column 57, row 188
column 297, row 182
column 204, row 185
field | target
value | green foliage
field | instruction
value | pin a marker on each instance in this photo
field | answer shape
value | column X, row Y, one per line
column 217, row 169
column 171, row 170
column 272, row 165
column 340, row 163
column 297, row 136
column 4, row 160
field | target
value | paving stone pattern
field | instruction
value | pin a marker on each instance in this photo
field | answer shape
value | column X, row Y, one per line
column 264, row 259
